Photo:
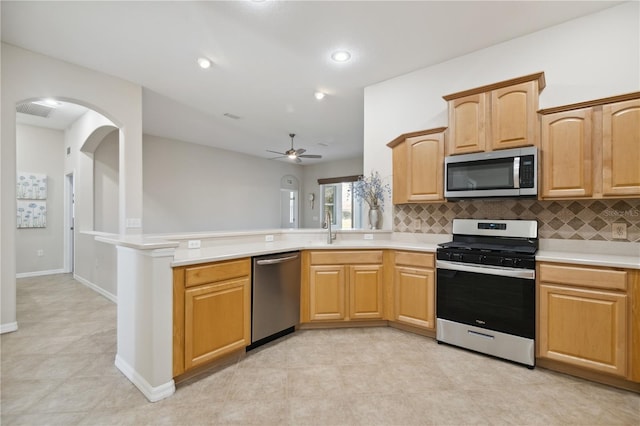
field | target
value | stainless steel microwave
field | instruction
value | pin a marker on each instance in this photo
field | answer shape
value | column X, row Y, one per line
column 505, row 173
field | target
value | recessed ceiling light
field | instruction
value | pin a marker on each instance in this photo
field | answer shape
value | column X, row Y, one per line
column 204, row 63
column 51, row 103
column 341, row 56
column 319, row 95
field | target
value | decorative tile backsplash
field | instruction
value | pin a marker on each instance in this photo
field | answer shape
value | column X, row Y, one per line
column 566, row 220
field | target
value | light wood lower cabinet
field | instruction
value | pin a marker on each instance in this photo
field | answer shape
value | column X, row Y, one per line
column 343, row 286
column 212, row 312
column 583, row 317
column 414, row 289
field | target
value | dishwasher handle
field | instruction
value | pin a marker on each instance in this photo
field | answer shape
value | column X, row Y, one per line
column 276, row 260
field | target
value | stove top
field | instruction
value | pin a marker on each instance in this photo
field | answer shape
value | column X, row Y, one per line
column 492, row 248
column 502, row 243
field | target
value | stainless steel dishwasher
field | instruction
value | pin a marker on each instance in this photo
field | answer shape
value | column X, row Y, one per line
column 275, row 296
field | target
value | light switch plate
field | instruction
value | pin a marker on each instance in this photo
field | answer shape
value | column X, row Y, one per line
column 619, row 231
column 193, row 244
column 268, row 238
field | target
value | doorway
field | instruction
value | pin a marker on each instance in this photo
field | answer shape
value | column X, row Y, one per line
column 289, row 208
column 69, row 222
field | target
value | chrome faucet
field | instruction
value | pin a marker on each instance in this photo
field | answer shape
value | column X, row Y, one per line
column 327, row 221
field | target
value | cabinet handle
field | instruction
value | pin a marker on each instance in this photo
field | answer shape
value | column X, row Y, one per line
column 277, row 260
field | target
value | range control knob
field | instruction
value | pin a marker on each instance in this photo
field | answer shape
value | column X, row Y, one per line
column 506, row 261
column 517, row 262
column 457, row 256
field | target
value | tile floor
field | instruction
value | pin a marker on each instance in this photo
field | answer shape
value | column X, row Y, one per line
column 58, row 369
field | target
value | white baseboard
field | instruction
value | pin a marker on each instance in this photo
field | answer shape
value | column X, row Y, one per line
column 96, row 288
column 153, row 394
column 40, row 273
column 8, row 328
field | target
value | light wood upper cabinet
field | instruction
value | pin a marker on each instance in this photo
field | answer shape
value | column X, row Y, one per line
column 513, row 116
column 418, row 166
column 591, row 149
column 496, row 116
column 583, row 321
column 211, row 312
column 566, row 154
column 468, row 118
column 621, row 148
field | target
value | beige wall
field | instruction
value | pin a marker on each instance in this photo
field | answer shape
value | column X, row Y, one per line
column 190, row 187
column 106, row 184
column 40, row 150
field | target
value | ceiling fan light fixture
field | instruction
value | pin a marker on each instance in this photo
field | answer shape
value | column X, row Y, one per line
column 341, row 56
column 293, row 156
column 204, row 63
column 319, row 95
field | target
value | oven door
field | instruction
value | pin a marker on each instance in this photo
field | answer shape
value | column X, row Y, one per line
column 493, row 298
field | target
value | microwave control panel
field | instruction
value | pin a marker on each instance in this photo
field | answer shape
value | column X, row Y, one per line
column 527, row 172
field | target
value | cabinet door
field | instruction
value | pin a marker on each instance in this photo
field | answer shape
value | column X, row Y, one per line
column 621, row 148
column 217, row 320
column 400, row 175
column 414, row 296
column 365, row 292
column 566, row 154
column 467, row 119
column 425, row 159
column 586, row 328
column 513, row 116
column 327, row 293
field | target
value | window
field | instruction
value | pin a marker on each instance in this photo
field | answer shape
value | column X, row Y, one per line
column 336, row 195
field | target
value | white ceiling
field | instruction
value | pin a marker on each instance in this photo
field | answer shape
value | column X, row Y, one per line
column 269, row 58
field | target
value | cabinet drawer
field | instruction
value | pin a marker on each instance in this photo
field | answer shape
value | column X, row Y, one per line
column 583, row 276
column 219, row 271
column 409, row 258
column 345, row 257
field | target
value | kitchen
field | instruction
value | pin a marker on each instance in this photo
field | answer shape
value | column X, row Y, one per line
column 383, row 122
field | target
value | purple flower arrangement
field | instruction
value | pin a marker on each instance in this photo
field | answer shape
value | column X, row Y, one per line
column 372, row 190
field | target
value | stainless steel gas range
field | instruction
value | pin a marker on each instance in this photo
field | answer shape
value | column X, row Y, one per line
column 485, row 298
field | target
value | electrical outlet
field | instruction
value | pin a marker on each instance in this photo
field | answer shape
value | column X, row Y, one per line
column 134, row 222
column 417, row 224
column 268, row 238
column 368, row 236
column 193, row 244
column 40, row 253
column 619, row 231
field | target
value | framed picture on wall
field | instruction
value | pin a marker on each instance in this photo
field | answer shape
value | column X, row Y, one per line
column 32, row 214
column 31, row 186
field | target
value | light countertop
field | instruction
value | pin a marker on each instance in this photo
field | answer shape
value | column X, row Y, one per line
column 233, row 245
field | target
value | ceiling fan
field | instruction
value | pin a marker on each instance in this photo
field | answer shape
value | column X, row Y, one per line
column 294, row 154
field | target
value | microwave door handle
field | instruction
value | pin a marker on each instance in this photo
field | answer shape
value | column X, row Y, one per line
column 516, row 172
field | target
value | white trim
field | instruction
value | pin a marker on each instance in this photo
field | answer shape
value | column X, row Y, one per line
column 8, row 328
column 153, row 394
column 40, row 273
column 96, row 288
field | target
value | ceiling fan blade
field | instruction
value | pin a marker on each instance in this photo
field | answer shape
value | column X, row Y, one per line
column 275, row 158
column 298, row 160
column 311, row 156
column 300, row 151
column 276, row 152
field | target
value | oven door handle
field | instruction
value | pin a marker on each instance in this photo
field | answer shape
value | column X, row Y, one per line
column 490, row 270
